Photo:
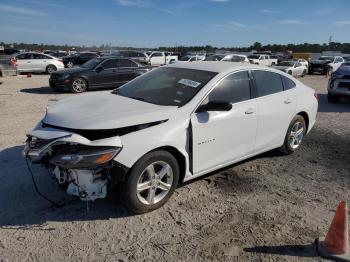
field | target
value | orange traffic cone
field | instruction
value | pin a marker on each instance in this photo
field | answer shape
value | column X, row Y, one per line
column 336, row 243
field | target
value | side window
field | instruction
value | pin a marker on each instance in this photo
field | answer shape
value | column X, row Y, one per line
column 267, row 83
column 21, row 57
column 126, row 63
column 156, row 54
column 262, row 57
column 287, row 83
column 112, row 63
column 234, row 88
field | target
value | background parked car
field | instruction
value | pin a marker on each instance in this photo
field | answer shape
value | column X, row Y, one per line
column 214, row 57
column 58, row 54
column 339, row 83
column 139, row 57
column 78, row 59
column 8, row 51
column 291, row 67
column 262, row 59
column 103, row 72
column 36, row 62
column 325, row 64
column 189, row 59
column 162, row 58
column 236, row 58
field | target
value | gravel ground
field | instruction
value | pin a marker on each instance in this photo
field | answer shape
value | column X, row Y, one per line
column 270, row 208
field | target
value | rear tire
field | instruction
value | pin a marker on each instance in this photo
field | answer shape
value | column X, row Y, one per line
column 151, row 182
column 295, row 135
column 304, row 73
column 51, row 69
column 332, row 98
column 79, row 85
column 69, row 64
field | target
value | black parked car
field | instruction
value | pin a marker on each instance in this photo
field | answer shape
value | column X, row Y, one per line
column 103, row 72
column 78, row 59
column 320, row 65
column 339, row 83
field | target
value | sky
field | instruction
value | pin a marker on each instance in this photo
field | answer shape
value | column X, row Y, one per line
column 153, row 23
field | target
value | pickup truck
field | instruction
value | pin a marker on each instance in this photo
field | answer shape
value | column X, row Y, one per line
column 162, row 58
column 262, row 59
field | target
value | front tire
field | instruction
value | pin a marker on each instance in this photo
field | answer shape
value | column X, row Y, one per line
column 79, row 85
column 51, row 69
column 295, row 135
column 151, row 182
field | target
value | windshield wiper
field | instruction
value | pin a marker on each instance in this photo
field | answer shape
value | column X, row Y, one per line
column 137, row 98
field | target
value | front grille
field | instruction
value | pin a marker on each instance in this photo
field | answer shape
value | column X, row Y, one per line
column 344, row 84
column 36, row 143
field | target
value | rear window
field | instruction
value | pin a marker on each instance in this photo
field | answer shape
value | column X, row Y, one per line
column 287, row 83
column 267, row 83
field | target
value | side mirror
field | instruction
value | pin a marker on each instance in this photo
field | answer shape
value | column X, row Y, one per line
column 215, row 106
column 99, row 69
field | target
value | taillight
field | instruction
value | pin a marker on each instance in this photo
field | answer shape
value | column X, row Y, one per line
column 13, row 62
column 317, row 96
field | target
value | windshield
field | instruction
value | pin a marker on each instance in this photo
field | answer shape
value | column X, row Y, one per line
column 286, row 63
column 254, row 56
column 184, row 58
column 326, row 58
column 91, row 63
column 167, row 86
column 214, row 58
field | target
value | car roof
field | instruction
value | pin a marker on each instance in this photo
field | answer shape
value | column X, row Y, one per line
column 218, row 66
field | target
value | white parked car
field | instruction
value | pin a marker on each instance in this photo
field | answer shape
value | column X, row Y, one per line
column 303, row 62
column 162, row 58
column 293, row 68
column 170, row 125
column 36, row 62
column 236, row 58
column 262, row 59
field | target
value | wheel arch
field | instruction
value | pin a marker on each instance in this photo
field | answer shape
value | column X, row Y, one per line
column 304, row 115
column 180, row 158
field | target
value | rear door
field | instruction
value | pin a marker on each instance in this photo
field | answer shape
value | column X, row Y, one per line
column 126, row 70
column 276, row 108
column 222, row 137
column 24, row 62
column 40, row 62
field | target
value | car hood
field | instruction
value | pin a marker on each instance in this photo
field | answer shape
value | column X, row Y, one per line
column 104, row 111
column 281, row 67
column 71, row 70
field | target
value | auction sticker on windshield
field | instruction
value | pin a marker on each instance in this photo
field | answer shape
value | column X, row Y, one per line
column 189, row 83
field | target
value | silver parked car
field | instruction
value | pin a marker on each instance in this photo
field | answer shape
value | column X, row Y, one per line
column 36, row 62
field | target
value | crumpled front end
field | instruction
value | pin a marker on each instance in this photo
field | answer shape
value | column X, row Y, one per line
column 84, row 168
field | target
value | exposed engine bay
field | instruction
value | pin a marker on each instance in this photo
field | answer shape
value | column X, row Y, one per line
column 82, row 170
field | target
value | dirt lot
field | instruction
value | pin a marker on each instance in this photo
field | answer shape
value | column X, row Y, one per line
column 270, row 208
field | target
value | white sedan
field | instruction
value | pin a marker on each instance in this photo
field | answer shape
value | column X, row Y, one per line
column 168, row 126
column 293, row 68
column 36, row 62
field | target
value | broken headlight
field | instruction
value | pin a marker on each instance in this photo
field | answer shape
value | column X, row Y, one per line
column 86, row 157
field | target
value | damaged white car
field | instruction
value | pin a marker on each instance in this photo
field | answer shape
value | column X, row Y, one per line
column 167, row 126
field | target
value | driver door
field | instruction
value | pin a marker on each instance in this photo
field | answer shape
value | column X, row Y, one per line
column 219, row 138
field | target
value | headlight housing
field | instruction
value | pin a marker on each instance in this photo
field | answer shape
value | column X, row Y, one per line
column 84, row 157
column 65, row 76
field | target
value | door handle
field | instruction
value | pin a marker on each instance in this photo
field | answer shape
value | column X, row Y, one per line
column 249, row 111
column 287, row 101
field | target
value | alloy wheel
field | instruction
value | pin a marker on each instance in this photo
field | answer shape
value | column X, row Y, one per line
column 296, row 135
column 79, row 85
column 155, row 182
